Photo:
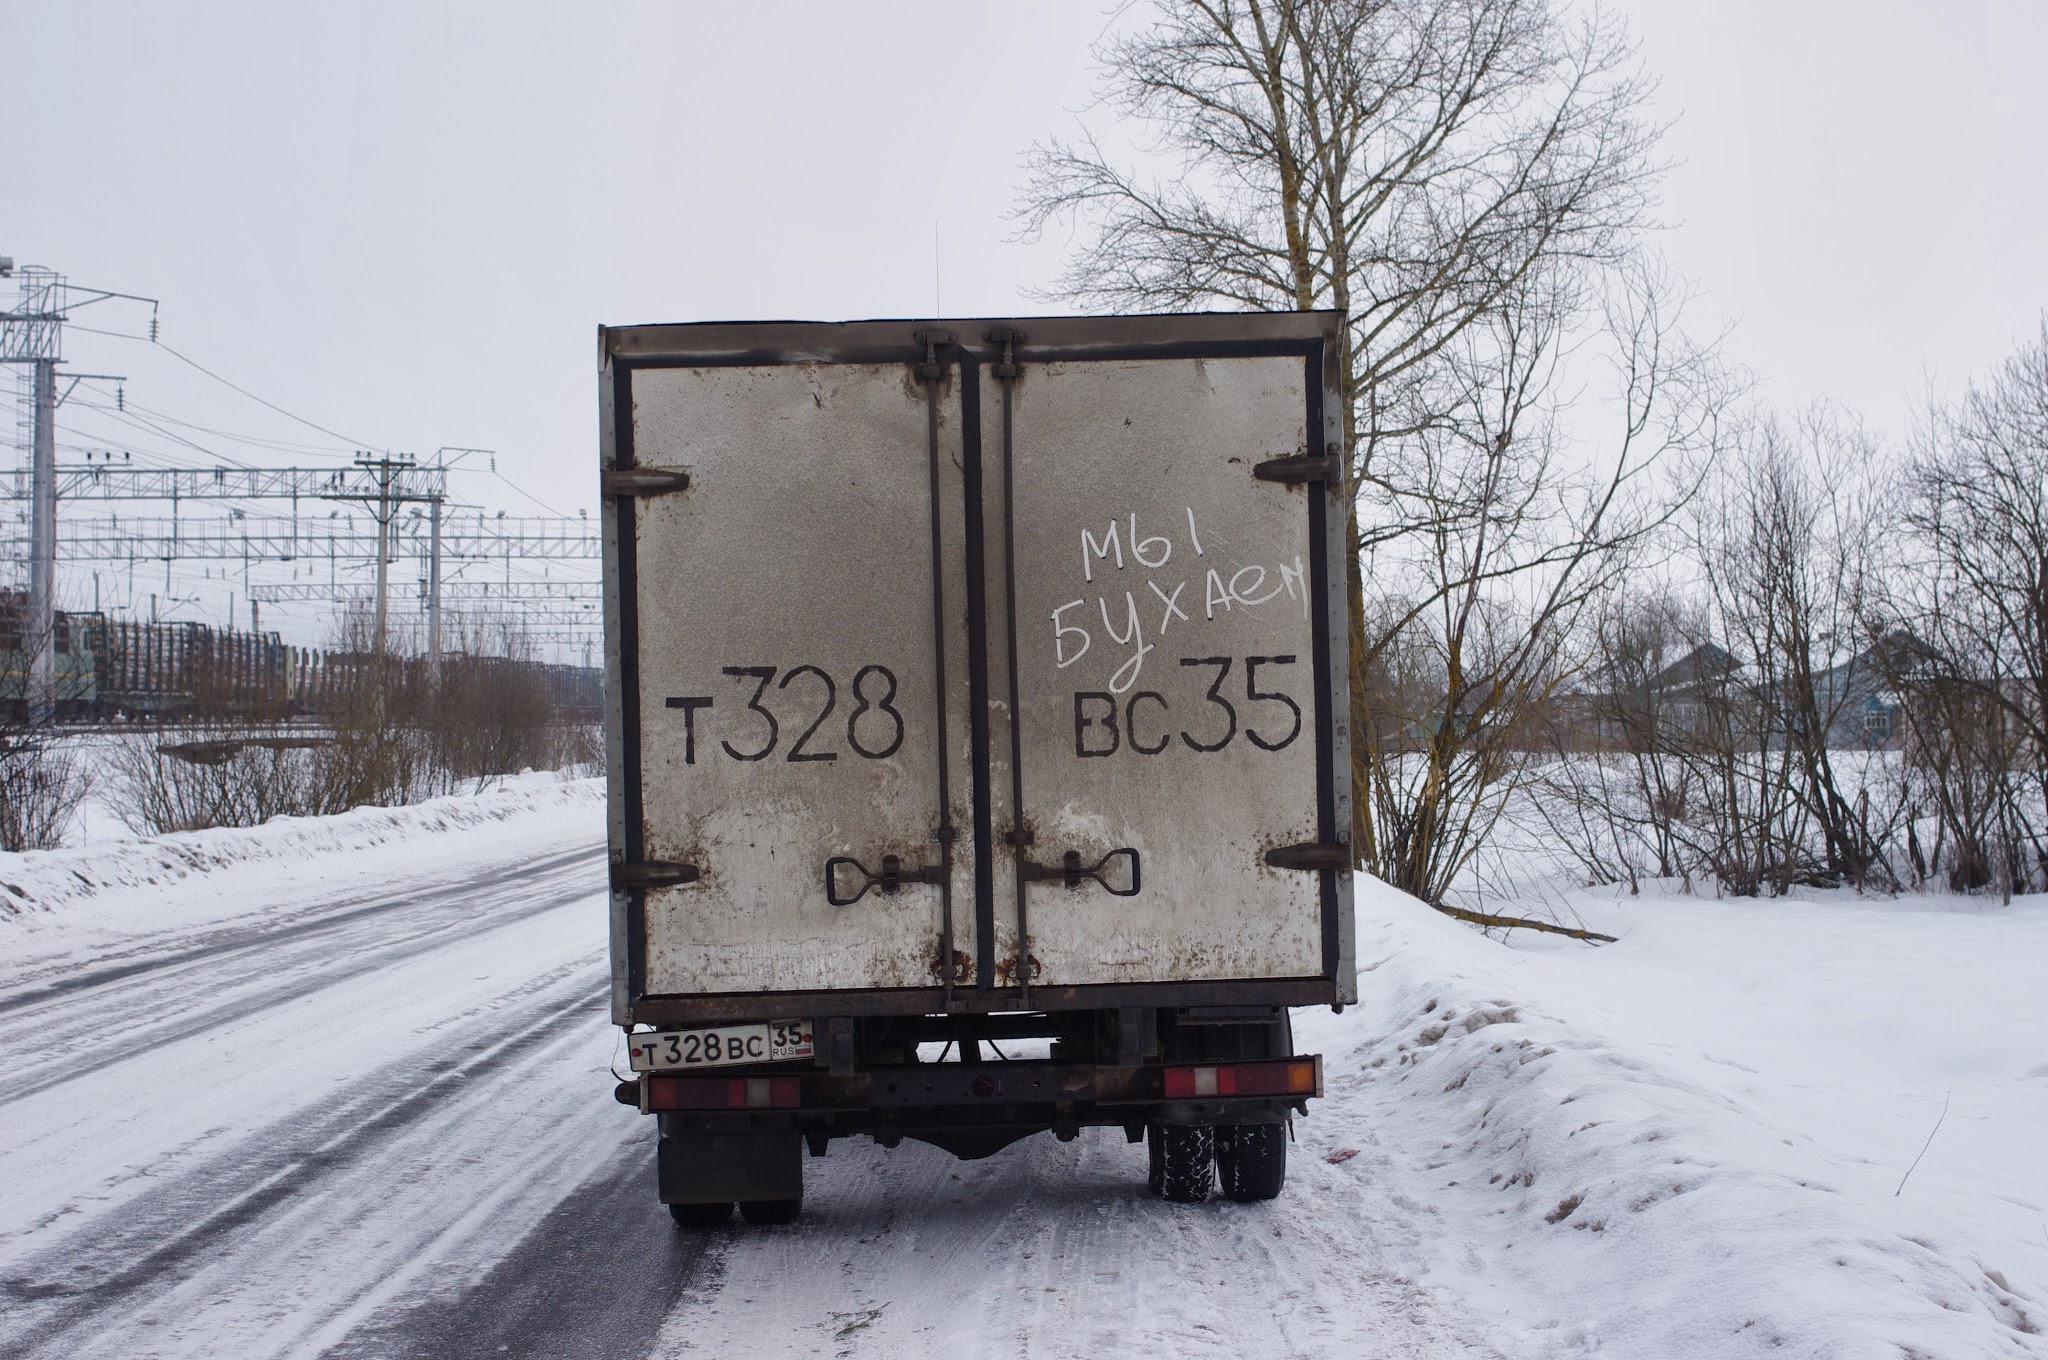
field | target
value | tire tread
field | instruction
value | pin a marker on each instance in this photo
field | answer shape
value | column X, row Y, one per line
column 1187, row 1163
column 1251, row 1162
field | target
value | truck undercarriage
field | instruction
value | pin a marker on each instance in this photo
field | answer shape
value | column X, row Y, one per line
column 1201, row 1089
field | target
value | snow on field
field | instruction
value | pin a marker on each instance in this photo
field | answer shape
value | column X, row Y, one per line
column 1682, row 1145
column 1688, row 1143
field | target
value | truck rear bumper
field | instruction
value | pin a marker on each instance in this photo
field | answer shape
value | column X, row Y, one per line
column 996, row 1083
column 973, row 1109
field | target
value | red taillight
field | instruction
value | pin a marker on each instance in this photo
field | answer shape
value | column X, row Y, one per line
column 1286, row 1077
column 724, row 1093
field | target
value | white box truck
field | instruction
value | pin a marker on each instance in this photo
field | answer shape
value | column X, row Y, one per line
column 977, row 726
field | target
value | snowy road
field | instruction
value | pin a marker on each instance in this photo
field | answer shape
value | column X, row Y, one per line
column 342, row 1086
column 380, row 1124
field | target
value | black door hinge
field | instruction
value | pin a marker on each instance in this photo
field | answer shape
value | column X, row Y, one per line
column 1310, row 855
column 652, row 874
column 643, row 481
column 931, row 370
column 1009, row 338
column 1328, row 467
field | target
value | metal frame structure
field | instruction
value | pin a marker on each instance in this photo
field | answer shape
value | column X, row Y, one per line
column 278, row 539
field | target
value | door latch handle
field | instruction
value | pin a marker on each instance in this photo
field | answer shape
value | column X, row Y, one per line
column 892, row 877
column 1070, row 873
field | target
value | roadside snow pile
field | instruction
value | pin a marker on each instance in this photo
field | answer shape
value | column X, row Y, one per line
column 1686, row 1144
column 188, row 878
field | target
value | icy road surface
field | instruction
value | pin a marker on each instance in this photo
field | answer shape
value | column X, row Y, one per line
column 381, row 1125
column 342, row 1087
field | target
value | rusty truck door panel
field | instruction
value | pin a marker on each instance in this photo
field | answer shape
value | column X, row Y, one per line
column 787, row 679
column 1172, row 614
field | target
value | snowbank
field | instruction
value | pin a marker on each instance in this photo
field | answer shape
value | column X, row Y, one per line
column 1686, row 1144
column 92, row 894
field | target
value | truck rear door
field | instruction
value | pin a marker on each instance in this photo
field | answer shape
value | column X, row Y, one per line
column 1171, row 672
column 785, row 693
column 975, row 663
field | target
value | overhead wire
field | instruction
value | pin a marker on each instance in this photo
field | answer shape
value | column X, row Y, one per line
column 129, row 418
column 528, row 494
column 184, row 358
column 254, row 441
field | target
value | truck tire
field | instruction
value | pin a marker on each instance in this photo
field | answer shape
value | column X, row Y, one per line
column 764, row 1213
column 700, row 1215
column 1155, row 1158
column 1251, row 1161
column 1187, row 1162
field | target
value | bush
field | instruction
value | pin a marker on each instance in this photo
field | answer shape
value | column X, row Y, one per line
column 194, row 779
column 41, row 786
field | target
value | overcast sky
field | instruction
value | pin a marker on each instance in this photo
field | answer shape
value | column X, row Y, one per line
column 404, row 222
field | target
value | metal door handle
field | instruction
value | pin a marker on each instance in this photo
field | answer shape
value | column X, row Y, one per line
column 892, row 877
column 1070, row 873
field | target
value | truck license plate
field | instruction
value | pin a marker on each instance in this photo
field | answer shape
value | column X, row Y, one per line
column 660, row 1050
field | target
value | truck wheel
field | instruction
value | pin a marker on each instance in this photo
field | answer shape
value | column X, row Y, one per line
column 700, row 1215
column 1155, row 1159
column 1251, row 1161
column 764, row 1213
column 1187, row 1162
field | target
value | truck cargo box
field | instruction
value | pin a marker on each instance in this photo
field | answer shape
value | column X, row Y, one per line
column 975, row 666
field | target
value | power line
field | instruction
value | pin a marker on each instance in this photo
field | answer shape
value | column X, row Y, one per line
column 523, row 491
column 184, row 358
column 311, row 425
column 254, row 441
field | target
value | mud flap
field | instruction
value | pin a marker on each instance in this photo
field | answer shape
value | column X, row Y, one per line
column 710, row 1168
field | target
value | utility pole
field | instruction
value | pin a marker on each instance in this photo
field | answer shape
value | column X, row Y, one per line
column 434, row 555
column 387, row 508
column 40, row 696
column 434, row 590
column 33, row 334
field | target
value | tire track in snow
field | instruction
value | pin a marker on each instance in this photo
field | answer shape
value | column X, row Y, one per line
column 322, row 953
column 193, row 1224
column 216, row 943
column 1057, row 1250
column 593, row 1281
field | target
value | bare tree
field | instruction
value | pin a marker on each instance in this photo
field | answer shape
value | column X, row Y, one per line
column 1444, row 171
column 1975, row 510
column 1787, row 546
column 1504, row 533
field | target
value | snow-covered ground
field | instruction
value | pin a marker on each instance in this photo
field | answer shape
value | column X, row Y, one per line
column 1691, row 1143
column 341, row 1086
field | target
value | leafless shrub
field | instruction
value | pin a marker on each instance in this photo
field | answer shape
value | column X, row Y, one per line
column 491, row 717
column 1619, row 792
column 42, row 782
column 211, row 775
column 578, row 749
column 1973, row 599
column 382, row 750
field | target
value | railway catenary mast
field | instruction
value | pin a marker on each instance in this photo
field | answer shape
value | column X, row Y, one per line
column 32, row 334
